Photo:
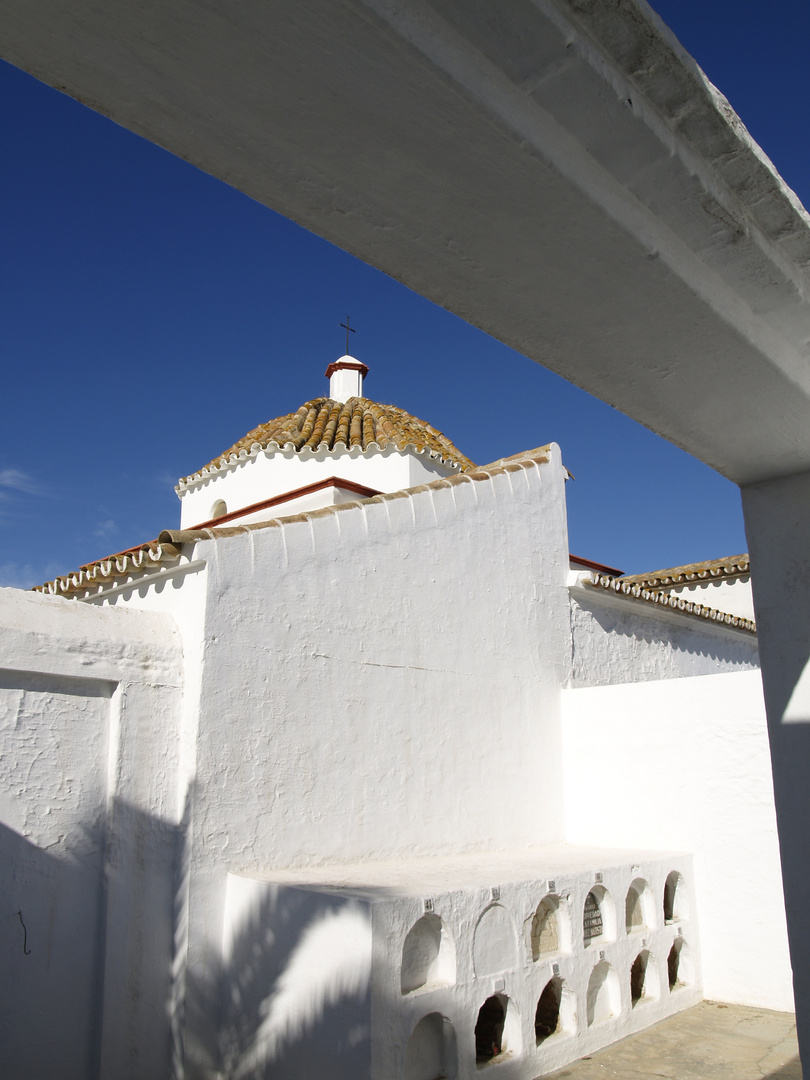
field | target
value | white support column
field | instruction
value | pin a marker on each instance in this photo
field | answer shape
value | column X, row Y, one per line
column 777, row 521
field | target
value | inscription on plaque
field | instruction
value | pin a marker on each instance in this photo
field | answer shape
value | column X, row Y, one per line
column 593, row 918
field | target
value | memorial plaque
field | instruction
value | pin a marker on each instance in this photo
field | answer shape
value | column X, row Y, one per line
column 593, row 918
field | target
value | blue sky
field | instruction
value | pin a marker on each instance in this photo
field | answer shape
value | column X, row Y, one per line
column 151, row 316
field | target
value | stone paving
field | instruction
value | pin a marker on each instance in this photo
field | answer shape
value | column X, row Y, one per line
column 708, row 1042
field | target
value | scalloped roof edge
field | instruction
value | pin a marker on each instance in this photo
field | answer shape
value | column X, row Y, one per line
column 621, row 587
column 166, row 548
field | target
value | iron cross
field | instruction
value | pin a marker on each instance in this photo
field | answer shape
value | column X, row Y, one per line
column 349, row 330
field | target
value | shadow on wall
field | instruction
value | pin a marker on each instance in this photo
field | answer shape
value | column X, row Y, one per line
column 740, row 649
column 791, row 1070
column 89, row 924
column 92, row 929
column 297, row 992
column 52, row 942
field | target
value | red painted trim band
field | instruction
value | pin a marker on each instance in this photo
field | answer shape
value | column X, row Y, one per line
column 333, row 481
column 611, row 570
column 340, row 366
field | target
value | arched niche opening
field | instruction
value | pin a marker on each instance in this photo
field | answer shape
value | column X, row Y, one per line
column 679, row 967
column 604, row 997
column 497, row 1031
column 495, row 942
column 598, row 917
column 644, row 983
column 218, row 510
column 675, row 906
column 551, row 928
column 555, row 1013
column 431, row 1053
column 428, row 956
column 638, row 907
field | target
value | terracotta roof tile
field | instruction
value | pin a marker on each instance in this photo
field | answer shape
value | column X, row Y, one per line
column 139, row 559
column 625, row 587
column 731, row 566
column 330, row 424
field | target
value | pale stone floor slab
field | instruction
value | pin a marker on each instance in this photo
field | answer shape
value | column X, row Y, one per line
column 708, row 1042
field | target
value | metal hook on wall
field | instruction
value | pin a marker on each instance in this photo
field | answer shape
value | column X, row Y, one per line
column 26, row 950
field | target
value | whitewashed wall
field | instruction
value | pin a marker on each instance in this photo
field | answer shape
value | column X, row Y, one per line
column 272, row 472
column 684, row 764
column 365, row 680
column 732, row 595
column 617, row 639
column 89, row 707
column 379, row 681
column 180, row 597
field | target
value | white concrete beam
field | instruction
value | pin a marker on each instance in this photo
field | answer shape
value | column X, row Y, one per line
column 556, row 172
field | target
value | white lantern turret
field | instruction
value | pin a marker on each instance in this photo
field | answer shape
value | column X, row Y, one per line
column 346, row 378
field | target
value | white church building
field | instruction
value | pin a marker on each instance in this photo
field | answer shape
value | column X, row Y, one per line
column 360, row 773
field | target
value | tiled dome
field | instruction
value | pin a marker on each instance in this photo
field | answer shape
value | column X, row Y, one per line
column 335, row 425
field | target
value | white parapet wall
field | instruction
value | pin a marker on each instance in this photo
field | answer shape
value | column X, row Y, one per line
column 617, row 638
column 89, row 719
column 442, row 967
column 684, row 763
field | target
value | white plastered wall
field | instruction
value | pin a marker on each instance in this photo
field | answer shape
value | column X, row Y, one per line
column 267, row 473
column 89, row 710
column 383, row 665
column 618, row 639
column 180, row 596
column 726, row 594
column 382, row 680
column 684, row 763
